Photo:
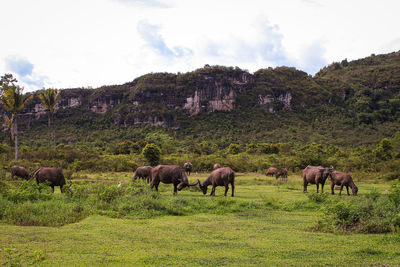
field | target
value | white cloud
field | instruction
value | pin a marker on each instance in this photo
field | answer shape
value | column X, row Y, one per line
column 23, row 70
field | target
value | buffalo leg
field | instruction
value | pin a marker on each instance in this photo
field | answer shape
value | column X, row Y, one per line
column 322, row 187
column 61, row 189
column 317, row 186
column 233, row 188
column 52, row 188
column 226, row 188
column 341, row 188
column 347, row 188
column 154, row 184
column 213, row 191
column 304, row 185
column 175, row 189
column 332, row 188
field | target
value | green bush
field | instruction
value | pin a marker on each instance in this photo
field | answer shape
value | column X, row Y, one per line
column 152, row 154
column 371, row 213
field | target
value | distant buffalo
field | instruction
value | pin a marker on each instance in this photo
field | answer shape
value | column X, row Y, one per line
column 282, row 172
column 188, row 167
column 315, row 175
column 219, row 177
column 144, row 173
column 19, row 172
column 216, row 166
column 170, row 174
column 51, row 174
column 271, row 171
column 343, row 179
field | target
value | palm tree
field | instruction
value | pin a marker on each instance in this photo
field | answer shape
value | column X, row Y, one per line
column 50, row 97
column 8, row 122
column 13, row 100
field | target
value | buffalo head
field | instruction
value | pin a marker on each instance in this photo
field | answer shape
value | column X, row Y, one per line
column 202, row 187
column 354, row 190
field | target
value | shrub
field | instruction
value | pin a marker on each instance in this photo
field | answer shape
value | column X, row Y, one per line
column 233, row 149
column 152, row 154
column 372, row 213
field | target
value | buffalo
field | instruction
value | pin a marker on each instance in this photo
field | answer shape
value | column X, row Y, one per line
column 343, row 179
column 216, row 166
column 271, row 171
column 50, row 174
column 143, row 172
column 219, row 177
column 188, row 167
column 170, row 174
column 282, row 172
column 315, row 175
column 19, row 172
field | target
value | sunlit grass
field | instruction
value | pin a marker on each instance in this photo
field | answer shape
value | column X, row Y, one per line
column 274, row 230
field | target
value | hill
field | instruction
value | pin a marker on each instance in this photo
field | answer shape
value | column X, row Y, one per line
column 355, row 102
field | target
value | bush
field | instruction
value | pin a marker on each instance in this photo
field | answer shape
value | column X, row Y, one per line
column 372, row 213
column 233, row 149
column 152, row 154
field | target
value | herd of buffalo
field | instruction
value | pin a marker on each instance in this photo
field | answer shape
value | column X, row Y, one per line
column 220, row 176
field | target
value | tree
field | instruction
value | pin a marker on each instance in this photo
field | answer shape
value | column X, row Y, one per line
column 13, row 100
column 8, row 121
column 152, row 153
column 50, row 97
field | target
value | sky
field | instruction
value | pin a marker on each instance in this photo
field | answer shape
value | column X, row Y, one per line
column 90, row 43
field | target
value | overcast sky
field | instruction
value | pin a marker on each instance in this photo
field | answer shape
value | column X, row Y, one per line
column 81, row 43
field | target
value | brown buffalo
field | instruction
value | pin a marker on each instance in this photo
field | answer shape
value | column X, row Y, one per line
column 188, row 167
column 144, row 173
column 271, row 171
column 51, row 174
column 219, row 177
column 170, row 174
column 315, row 175
column 282, row 172
column 216, row 166
column 343, row 179
column 19, row 172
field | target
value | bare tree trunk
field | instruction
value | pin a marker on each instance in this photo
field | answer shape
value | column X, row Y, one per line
column 54, row 131
column 48, row 129
column 16, row 136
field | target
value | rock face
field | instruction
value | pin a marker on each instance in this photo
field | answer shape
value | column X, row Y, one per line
column 158, row 98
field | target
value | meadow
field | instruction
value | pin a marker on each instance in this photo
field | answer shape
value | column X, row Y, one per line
column 268, row 222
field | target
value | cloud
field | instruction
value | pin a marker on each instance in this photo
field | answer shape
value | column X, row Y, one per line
column 148, row 3
column 24, row 71
column 151, row 34
column 267, row 47
column 312, row 58
column 19, row 65
column 312, row 2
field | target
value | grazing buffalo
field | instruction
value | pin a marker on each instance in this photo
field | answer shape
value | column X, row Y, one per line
column 144, row 173
column 282, row 172
column 170, row 174
column 315, row 175
column 343, row 179
column 19, row 172
column 271, row 171
column 188, row 167
column 219, row 177
column 216, row 166
column 51, row 174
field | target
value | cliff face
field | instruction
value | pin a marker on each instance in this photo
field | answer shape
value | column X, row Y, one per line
column 162, row 99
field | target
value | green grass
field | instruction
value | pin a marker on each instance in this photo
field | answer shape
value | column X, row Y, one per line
column 274, row 231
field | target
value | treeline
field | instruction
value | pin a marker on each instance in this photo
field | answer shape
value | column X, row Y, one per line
column 379, row 161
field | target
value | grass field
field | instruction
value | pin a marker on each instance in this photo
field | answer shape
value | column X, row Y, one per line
column 275, row 231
